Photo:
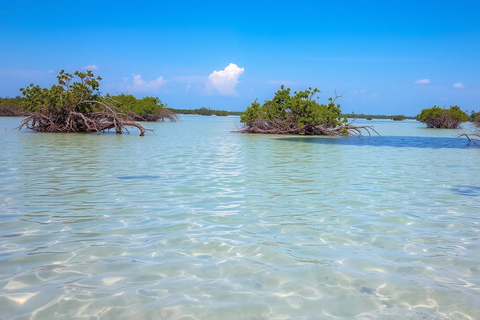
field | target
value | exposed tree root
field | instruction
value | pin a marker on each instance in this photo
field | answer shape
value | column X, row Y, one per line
column 72, row 107
column 65, row 121
column 282, row 127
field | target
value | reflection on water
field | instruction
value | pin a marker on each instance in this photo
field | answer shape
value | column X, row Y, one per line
column 390, row 141
column 201, row 223
column 467, row 190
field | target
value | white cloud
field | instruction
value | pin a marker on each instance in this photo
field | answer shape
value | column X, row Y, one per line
column 190, row 83
column 458, row 85
column 223, row 82
column 139, row 85
column 90, row 67
column 359, row 92
column 422, row 81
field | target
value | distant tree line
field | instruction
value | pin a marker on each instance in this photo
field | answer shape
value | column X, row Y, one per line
column 376, row 116
column 153, row 105
column 77, row 95
column 12, row 107
column 206, row 112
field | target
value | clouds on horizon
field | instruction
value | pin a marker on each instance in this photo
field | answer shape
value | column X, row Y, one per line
column 422, row 81
column 90, row 67
column 221, row 82
column 224, row 82
column 139, row 85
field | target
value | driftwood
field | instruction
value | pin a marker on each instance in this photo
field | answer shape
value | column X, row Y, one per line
column 476, row 134
column 66, row 120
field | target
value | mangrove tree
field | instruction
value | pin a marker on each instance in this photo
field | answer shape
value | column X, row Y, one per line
column 437, row 117
column 72, row 105
column 300, row 114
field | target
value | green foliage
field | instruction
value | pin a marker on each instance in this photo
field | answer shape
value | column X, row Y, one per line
column 11, row 107
column 72, row 105
column 475, row 118
column 68, row 94
column 146, row 105
column 205, row 112
column 251, row 114
column 221, row 113
column 399, row 117
column 297, row 113
column 373, row 116
column 11, row 102
column 437, row 117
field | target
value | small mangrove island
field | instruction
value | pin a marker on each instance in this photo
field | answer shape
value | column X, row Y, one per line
column 74, row 104
column 298, row 114
column 442, row 118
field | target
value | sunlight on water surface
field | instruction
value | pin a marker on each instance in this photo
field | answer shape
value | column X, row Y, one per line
column 195, row 221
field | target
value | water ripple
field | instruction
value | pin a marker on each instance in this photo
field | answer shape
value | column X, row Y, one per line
column 196, row 222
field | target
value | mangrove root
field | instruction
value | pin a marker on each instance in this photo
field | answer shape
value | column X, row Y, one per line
column 65, row 120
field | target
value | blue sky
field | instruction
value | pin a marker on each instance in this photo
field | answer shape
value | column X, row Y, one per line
column 392, row 57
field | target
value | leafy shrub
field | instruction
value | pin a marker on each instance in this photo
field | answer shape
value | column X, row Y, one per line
column 72, row 105
column 145, row 109
column 294, row 114
column 437, row 117
column 399, row 117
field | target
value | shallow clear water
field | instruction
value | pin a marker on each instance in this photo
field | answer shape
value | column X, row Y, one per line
column 196, row 222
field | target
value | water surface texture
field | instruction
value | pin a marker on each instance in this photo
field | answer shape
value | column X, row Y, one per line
column 196, row 222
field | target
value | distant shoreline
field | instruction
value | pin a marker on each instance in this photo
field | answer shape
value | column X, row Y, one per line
column 211, row 112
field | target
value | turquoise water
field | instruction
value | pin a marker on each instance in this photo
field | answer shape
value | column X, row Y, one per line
column 196, row 222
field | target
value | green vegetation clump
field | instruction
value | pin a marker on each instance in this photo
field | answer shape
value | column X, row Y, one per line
column 205, row 112
column 72, row 105
column 145, row 109
column 221, row 113
column 475, row 118
column 299, row 113
column 476, row 121
column 399, row 117
column 437, row 117
column 11, row 107
column 372, row 116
